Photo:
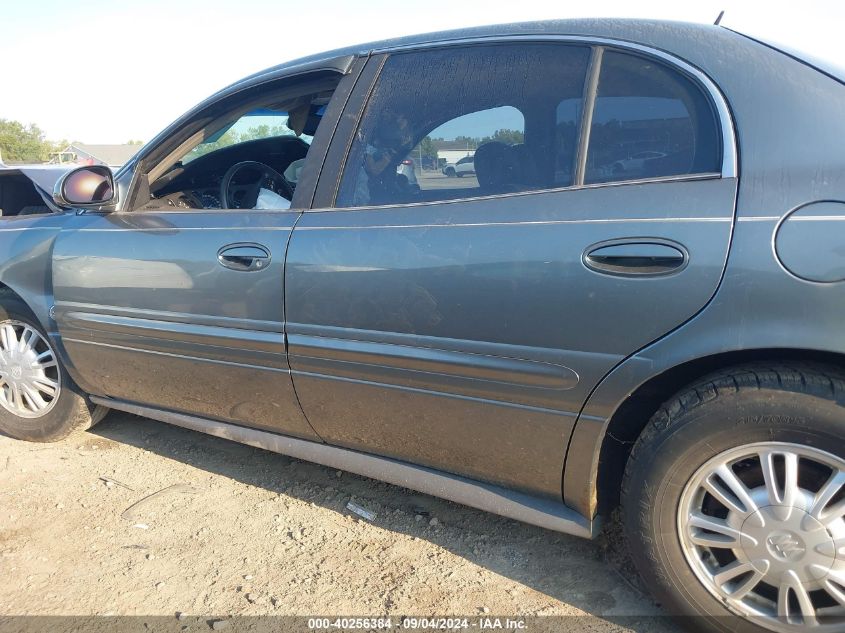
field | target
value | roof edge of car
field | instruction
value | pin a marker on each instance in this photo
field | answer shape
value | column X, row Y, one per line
column 636, row 31
column 820, row 65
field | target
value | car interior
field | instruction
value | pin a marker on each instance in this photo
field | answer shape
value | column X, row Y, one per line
column 500, row 167
column 247, row 156
column 520, row 141
column 19, row 196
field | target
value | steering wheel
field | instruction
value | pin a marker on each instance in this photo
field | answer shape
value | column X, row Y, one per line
column 268, row 178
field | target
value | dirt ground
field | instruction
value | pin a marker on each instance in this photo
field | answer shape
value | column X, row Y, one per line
column 242, row 531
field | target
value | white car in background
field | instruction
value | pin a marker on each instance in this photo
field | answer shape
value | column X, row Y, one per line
column 464, row 167
column 636, row 163
column 406, row 168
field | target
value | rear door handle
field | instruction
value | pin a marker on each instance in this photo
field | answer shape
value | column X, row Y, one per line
column 638, row 257
column 244, row 257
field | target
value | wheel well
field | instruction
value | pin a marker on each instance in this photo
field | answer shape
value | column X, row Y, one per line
column 6, row 292
column 631, row 417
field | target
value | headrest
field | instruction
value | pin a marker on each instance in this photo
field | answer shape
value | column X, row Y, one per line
column 490, row 164
column 304, row 119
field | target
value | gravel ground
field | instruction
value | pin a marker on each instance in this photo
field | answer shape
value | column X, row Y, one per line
column 240, row 531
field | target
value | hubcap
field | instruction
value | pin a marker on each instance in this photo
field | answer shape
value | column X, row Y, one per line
column 763, row 528
column 30, row 382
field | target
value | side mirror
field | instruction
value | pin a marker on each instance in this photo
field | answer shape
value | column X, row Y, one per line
column 90, row 186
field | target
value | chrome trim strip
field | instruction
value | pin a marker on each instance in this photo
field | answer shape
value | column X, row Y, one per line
column 180, row 229
column 415, row 341
column 283, row 370
column 448, row 363
column 510, row 404
column 526, row 223
column 817, row 218
column 530, row 192
column 807, row 218
column 588, row 99
column 514, row 505
column 253, row 340
column 175, row 317
column 31, row 228
column 730, row 168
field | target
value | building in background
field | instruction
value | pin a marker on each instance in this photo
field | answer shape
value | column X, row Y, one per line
column 453, row 151
column 84, row 154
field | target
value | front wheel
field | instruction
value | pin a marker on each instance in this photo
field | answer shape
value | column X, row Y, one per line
column 734, row 501
column 39, row 401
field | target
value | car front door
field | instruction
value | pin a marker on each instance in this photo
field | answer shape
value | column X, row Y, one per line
column 182, row 309
column 461, row 324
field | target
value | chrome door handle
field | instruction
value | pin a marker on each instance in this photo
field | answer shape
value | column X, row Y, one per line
column 637, row 257
column 244, row 257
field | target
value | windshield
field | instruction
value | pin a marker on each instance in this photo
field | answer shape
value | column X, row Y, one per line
column 254, row 125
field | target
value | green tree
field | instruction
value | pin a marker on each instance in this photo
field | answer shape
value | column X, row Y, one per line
column 508, row 137
column 427, row 149
column 134, row 142
column 23, row 143
column 470, row 142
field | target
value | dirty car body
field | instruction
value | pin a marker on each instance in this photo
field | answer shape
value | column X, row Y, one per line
column 502, row 345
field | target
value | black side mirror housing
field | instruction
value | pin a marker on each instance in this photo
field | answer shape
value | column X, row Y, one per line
column 88, row 187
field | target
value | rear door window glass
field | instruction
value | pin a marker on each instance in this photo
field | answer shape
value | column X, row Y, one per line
column 464, row 122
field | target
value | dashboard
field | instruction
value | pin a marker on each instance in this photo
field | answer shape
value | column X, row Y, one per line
column 197, row 184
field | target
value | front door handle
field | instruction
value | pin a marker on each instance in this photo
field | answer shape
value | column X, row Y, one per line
column 636, row 257
column 244, row 257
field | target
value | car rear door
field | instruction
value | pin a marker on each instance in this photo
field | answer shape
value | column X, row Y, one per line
column 463, row 325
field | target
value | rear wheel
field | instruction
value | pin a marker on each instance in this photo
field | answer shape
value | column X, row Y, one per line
column 38, row 400
column 734, row 501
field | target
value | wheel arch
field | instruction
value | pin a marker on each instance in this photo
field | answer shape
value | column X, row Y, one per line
column 9, row 292
column 632, row 414
column 39, row 305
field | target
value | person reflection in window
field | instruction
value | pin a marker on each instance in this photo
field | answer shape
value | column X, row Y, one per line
column 391, row 139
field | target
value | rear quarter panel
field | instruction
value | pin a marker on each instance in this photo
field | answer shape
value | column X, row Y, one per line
column 790, row 130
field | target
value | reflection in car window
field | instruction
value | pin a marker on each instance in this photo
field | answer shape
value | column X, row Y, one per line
column 457, row 141
column 465, row 122
column 252, row 126
column 567, row 120
column 649, row 122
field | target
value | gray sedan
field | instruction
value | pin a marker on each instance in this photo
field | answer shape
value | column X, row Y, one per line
column 555, row 337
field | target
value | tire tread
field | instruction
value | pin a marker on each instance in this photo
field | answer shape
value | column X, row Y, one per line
column 816, row 380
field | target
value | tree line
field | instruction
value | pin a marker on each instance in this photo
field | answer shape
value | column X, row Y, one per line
column 428, row 149
column 21, row 143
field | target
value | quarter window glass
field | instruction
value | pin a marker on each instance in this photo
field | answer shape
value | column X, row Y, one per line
column 648, row 122
column 459, row 123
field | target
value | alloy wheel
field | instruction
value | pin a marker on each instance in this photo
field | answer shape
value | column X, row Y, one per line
column 763, row 528
column 30, row 382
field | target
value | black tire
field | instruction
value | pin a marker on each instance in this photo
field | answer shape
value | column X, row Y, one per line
column 799, row 404
column 450, row 173
column 72, row 411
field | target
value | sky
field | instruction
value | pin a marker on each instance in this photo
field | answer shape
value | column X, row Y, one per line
column 107, row 71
